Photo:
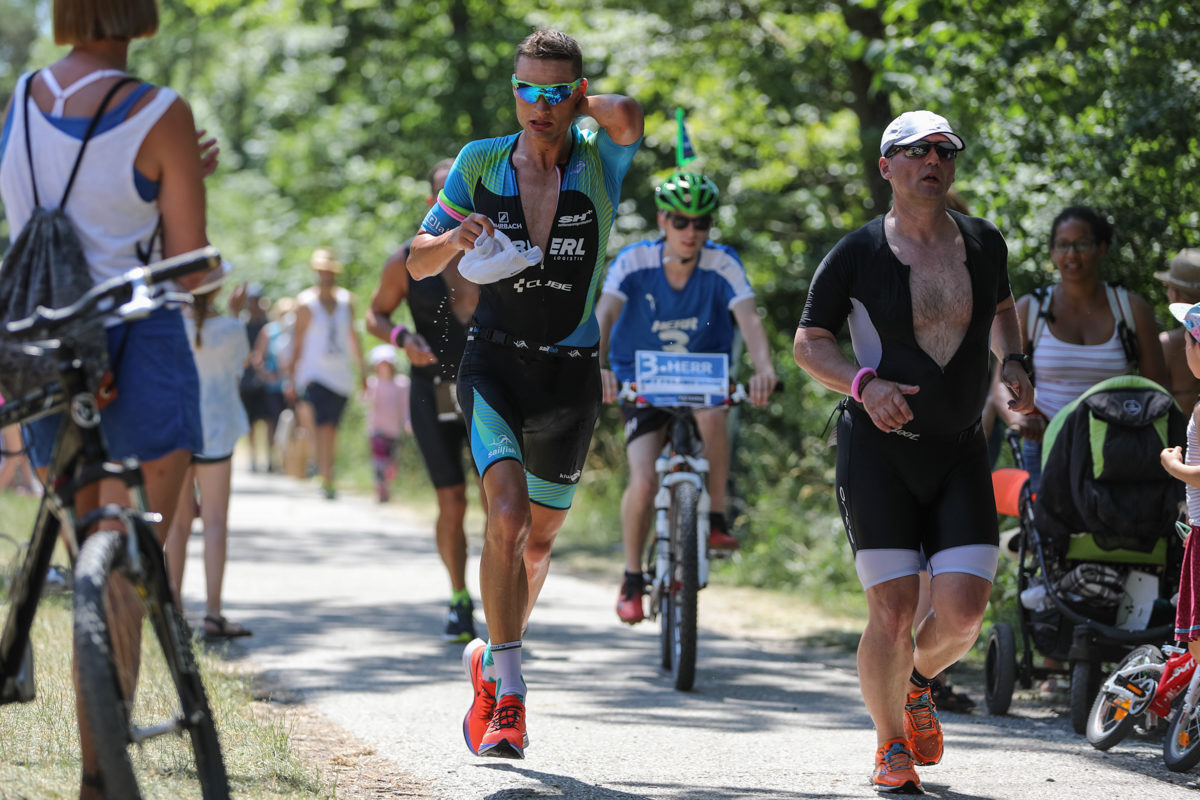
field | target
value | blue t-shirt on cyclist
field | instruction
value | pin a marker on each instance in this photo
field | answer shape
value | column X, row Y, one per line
column 656, row 316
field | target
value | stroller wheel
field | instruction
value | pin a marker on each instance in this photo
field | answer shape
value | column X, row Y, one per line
column 1085, row 685
column 1000, row 668
column 1124, row 696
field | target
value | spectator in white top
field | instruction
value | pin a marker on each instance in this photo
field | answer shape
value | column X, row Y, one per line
column 1079, row 341
column 325, row 354
column 221, row 350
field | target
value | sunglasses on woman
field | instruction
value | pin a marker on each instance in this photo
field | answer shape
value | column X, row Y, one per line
column 921, row 149
column 701, row 223
column 554, row 93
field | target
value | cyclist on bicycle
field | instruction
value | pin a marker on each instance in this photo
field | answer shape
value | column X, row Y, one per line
column 675, row 293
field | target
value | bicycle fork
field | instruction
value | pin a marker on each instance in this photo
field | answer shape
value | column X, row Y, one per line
column 662, row 529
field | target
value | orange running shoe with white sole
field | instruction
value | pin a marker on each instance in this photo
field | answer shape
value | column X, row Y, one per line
column 923, row 728
column 506, row 736
column 894, row 772
column 479, row 715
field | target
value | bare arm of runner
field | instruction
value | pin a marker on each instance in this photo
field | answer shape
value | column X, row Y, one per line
column 607, row 311
column 1006, row 338
column 762, row 383
column 621, row 117
column 389, row 294
column 429, row 254
column 816, row 352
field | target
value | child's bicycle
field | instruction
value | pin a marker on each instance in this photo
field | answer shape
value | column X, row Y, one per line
column 1142, row 687
column 678, row 556
column 171, row 727
column 1181, row 745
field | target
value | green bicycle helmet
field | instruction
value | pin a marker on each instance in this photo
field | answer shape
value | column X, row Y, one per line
column 688, row 193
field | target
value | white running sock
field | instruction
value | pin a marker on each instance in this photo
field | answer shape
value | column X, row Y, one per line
column 507, row 659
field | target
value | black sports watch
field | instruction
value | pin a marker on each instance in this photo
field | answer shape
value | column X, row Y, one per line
column 1025, row 361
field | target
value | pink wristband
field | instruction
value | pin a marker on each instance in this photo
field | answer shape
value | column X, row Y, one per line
column 397, row 332
column 855, row 385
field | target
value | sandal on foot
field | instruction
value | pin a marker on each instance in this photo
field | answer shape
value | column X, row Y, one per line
column 217, row 627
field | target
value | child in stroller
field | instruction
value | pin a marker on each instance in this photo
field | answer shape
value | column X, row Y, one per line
column 1095, row 551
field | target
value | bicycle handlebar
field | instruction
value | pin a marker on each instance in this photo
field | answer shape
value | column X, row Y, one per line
column 136, row 281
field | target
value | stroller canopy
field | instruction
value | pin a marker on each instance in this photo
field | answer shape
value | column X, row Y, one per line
column 1101, row 472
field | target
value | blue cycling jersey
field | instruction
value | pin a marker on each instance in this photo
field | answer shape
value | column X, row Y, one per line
column 554, row 301
column 656, row 316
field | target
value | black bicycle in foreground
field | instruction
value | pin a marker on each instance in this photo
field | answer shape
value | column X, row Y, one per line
column 169, row 729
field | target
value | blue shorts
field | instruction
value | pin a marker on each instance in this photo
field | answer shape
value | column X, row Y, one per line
column 157, row 409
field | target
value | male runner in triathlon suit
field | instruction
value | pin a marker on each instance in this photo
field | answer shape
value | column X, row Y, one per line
column 675, row 293
column 441, row 306
column 529, row 381
column 924, row 290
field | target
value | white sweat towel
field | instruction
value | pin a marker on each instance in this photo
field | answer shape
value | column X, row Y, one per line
column 495, row 258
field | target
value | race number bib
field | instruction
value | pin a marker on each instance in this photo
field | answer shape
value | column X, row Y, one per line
column 446, row 399
column 682, row 379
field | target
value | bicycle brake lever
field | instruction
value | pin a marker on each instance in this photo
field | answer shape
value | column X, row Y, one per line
column 140, row 305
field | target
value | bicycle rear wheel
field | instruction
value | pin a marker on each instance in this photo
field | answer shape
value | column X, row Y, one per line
column 136, row 757
column 1114, row 713
column 685, row 584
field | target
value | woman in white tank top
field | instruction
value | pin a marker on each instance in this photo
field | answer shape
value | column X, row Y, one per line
column 148, row 146
column 1078, row 346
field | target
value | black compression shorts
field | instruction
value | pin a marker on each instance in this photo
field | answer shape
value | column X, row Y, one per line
column 441, row 442
column 900, row 497
column 535, row 408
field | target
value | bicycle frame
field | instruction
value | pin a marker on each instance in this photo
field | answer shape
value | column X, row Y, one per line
column 79, row 460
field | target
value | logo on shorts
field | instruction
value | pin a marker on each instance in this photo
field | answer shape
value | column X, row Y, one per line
column 572, row 478
column 915, row 437
column 501, row 447
column 503, row 216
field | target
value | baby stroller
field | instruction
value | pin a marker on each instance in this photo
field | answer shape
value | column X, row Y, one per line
column 1097, row 554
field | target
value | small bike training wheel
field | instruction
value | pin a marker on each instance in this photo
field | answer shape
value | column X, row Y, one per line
column 1114, row 712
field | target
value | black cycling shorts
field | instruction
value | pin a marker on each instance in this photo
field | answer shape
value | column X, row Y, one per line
column 327, row 404
column 441, row 442
column 901, row 497
column 536, row 408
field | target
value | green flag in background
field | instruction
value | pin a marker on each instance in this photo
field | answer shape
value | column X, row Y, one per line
column 683, row 145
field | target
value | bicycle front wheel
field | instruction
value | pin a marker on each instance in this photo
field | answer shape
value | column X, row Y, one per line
column 137, row 757
column 685, row 584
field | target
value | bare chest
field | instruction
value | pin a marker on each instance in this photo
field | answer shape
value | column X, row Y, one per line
column 940, row 287
column 539, row 200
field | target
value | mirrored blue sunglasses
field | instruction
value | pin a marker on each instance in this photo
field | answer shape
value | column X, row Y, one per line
column 555, row 93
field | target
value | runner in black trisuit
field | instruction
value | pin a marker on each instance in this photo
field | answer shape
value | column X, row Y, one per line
column 440, row 305
column 925, row 292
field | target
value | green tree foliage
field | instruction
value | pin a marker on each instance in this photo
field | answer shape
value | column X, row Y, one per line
column 330, row 115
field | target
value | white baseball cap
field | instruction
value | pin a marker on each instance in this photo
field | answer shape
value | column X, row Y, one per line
column 381, row 353
column 912, row 126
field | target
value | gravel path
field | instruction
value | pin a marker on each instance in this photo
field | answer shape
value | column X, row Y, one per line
column 346, row 600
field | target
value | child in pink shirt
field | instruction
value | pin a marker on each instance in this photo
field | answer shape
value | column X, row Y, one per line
column 387, row 420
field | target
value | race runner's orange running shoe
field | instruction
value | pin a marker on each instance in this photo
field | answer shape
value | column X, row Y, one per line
column 479, row 715
column 506, row 737
column 923, row 728
column 894, row 771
